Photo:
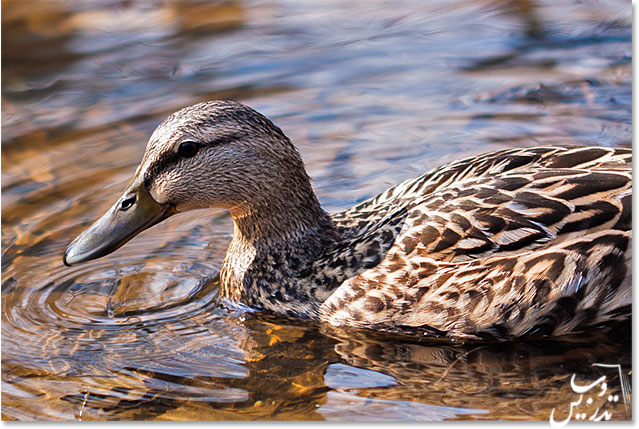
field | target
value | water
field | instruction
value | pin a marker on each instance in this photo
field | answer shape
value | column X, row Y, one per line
column 372, row 93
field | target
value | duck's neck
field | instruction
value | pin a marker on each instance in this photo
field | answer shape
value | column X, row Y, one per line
column 281, row 221
column 275, row 242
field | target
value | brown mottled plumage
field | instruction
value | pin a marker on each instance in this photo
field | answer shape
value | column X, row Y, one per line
column 517, row 242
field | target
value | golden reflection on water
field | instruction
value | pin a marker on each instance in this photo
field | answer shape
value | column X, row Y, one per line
column 372, row 94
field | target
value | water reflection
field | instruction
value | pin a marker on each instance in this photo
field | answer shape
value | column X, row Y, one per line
column 372, row 94
column 281, row 371
column 502, row 380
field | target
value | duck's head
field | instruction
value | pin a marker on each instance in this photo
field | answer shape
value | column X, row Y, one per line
column 213, row 154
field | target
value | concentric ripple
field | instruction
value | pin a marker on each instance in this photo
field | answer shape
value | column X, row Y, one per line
column 104, row 326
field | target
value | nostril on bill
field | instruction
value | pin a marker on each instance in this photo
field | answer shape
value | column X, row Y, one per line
column 127, row 203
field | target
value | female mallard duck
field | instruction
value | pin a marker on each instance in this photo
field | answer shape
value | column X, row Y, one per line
column 533, row 241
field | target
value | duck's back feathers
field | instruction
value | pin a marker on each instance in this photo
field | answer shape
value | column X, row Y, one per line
column 510, row 169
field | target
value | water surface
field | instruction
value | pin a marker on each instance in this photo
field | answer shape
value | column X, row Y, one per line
column 372, row 93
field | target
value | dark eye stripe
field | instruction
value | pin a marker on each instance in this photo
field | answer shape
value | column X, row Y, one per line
column 223, row 140
column 163, row 162
column 167, row 159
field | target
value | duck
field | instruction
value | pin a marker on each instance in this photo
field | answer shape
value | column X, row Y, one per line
column 522, row 242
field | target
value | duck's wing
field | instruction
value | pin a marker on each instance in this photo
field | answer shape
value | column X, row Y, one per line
column 365, row 215
column 500, row 210
column 517, row 212
column 496, row 213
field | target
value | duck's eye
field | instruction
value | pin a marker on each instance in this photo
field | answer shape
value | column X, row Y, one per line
column 187, row 149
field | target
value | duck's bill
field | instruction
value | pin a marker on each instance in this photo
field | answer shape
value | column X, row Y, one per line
column 134, row 212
